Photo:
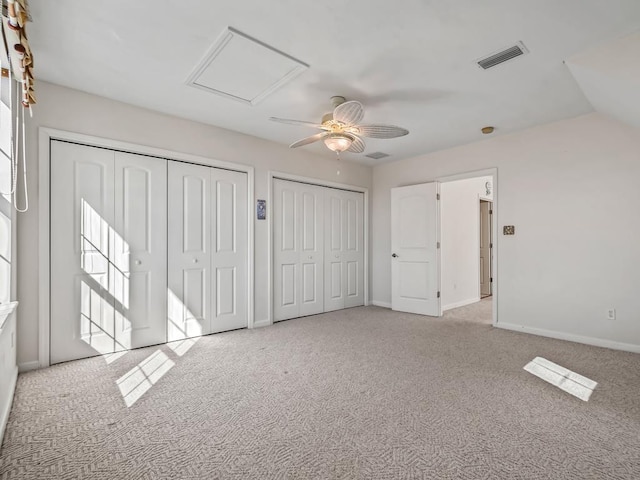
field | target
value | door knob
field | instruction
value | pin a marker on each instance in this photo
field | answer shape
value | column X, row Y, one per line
column 394, row 255
column 138, row 262
column 195, row 260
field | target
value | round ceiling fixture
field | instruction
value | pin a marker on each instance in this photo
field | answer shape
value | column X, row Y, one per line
column 487, row 130
column 338, row 142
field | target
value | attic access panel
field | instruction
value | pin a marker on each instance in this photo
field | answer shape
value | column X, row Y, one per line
column 244, row 69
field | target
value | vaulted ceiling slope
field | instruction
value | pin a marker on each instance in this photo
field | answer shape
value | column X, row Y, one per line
column 609, row 76
column 411, row 63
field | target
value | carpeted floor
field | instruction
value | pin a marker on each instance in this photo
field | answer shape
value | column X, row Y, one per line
column 479, row 312
column 359, row 393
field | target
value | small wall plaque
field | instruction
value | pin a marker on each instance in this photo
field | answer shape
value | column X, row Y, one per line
column 261, row 209
column 509, row 230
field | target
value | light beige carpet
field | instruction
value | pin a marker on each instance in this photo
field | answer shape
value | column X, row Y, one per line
column 479, row 312
column 361, row 393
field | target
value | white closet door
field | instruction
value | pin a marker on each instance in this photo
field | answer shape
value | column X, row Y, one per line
column 138, row 273
column 229, row 237
column 286, row 253
column 344, row 249
column 311, row 250
column 82, row 210
column 353, row 252
column 298, row 224
column 189, row 240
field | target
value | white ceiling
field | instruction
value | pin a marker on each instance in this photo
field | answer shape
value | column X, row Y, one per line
column 410, row 62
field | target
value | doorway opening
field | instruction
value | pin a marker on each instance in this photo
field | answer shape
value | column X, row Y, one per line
column 467, row 274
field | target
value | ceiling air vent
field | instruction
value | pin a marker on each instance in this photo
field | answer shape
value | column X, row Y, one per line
column 377, row 155
column 503, row 56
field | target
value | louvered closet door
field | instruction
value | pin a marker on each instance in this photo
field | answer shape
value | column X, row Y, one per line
column 230, row 250
column 189, row 268
column 138, row 272
column 82, row 209
column 298, row 276
column 344, row 249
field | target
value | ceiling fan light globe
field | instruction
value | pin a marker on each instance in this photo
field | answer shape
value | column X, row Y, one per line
column 338, row 143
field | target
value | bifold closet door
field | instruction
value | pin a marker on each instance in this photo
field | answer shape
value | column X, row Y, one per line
column 208, row 250
column 298, row 224
column 108, row 251
column 344, row 249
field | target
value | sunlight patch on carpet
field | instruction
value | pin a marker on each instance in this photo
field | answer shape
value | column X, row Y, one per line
column 563, row 378
column 137, row 381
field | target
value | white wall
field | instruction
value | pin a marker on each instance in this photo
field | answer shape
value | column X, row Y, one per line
column 66, row 109
column 460, row 238
column 571, row 189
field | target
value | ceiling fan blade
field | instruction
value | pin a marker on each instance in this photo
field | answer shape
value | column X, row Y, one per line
column 296, row 122
column 311, row 139
column 349, row 112
column 381, row 131
column 357, row 146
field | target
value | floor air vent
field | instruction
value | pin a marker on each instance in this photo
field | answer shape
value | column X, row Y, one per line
column 503, row 56
column 377, row 155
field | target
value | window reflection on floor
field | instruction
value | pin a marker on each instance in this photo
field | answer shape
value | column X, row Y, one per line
column 137, row 381
column 563, row 378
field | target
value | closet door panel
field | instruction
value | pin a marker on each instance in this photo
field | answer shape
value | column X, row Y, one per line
column 189, row 251
column 229, row 289
column 334, row 227
column 311, row 260
column 285, row 250
column 82, row 304
column 140, row 250
column 353, row 253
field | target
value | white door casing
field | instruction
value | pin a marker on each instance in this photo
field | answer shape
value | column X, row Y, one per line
column 415, row 262
column 344, row 249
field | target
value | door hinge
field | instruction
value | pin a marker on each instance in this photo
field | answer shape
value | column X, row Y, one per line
column 437, row 244
column 491, row 245
column 491, row 279
column 437, row 196
column 490, row 212
column 438, row 294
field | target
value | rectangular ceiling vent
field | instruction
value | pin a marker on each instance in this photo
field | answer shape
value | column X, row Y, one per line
column 377, row 155
column 503, row 56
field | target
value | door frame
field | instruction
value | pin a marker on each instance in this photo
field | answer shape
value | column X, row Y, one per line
column 45, row 136
column 271, row 176
column 493, row 172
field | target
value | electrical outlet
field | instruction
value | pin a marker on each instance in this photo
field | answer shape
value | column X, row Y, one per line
column 611, row 314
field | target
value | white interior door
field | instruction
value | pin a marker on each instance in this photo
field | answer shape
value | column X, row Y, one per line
column 485, row 248
column 415, row 262
column 230, row 250
column 298, row 255
column 189, row 240
column 138, row 245
column 82, row 211
column 344, row 249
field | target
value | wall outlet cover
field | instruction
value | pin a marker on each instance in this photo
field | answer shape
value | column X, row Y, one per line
column 509, row 230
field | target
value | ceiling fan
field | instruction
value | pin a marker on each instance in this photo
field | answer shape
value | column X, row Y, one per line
column 341, row 130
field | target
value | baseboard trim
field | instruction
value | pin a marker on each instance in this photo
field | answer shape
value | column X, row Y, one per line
column 462, row 303
column 596, row 342
column 4, row 415
column 28, row 366
column 380, row 304
column 261, row 323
